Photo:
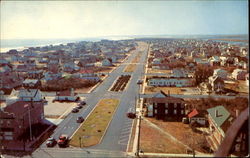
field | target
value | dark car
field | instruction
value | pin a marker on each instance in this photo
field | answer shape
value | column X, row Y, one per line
column 79, row 106
column 75, row 110
column 79, row 119
column 139, row 82
column 82, row 103
column 51, row 142
column 131, row 115
column 62, row 141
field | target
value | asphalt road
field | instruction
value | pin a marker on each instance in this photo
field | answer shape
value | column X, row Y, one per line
column 115, row 141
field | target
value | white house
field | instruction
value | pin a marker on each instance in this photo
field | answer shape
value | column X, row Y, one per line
column 107, row 62
column 247, row 79
column 169, row 81
column 156, row 61
column 25, row 95
column 87, row 75
column 52, row 76
column 214, row 60
column 67, row 95
column 31, row 83
column 216, row 82
column 179, row 73
column 239, row 74
column 70, row 66
column 221, row 73
column 197, row 116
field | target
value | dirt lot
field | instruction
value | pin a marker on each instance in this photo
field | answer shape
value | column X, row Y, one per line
column 158, row 71
column 173, row 90
column 148, row 142
column 183, row 133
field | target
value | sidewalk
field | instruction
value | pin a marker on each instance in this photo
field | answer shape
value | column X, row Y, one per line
column 136, row 140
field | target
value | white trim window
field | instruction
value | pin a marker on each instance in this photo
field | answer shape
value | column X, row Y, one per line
column 166, row 105
column 166, row 111
column 175, row 111
column 175, row 105
column 182, row 112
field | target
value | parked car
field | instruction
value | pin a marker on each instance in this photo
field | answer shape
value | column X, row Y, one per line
column 51, row 142
column 75, row 110
column 139, row 82
column 131, row 115
column 79, row 119
column 79, row 106
column 82, row 103
column 63, row 140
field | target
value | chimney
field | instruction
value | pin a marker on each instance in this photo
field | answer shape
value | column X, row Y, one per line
column 236, row 113
column 216, row 113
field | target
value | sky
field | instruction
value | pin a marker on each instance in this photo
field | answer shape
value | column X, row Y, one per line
column 83, row 19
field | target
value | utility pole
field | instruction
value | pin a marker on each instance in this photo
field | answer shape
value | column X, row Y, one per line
column 30, row 123
column 139, row 131
column 23, row 137
column 135, row 103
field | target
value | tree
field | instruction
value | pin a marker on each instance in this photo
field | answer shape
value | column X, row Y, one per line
column 209, row 87
column 202, row 73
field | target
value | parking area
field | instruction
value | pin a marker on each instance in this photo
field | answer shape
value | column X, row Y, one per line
column 125, row 132
column 57, row 109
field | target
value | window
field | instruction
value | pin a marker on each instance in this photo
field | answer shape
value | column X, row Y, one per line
column 182, row 111
column 175, row 111
column 175, row 105
column 155, row 111
column 166, row 111
column 166, row 105
column 182, row 106
column 8, row 123
column 1, row 121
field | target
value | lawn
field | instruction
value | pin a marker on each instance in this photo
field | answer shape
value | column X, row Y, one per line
column 94, row 127
column 153, row 141
column 131, row 67
column 183, row 133
column 239, row 86
column 173, row 90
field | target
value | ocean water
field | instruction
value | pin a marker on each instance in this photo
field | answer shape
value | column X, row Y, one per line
column 19, row 44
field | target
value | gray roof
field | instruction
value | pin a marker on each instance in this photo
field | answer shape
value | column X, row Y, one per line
column 223, row 114
column 34, row 81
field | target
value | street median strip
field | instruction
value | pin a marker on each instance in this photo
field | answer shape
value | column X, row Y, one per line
column 94, row 127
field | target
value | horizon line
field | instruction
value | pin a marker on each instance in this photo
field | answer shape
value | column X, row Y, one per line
column 127, row 36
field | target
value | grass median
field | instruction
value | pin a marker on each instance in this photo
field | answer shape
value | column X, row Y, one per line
column 130, row 68
column 94, row 127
